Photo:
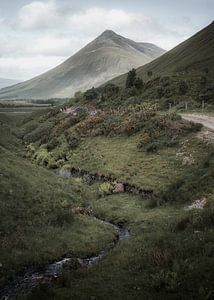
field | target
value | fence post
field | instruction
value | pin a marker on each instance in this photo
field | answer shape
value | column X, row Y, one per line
column 202, row 105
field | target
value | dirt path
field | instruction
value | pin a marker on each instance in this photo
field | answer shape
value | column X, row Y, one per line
column 207, row 133
column 207, row 121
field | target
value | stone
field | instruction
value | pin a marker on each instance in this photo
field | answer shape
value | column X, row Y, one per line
column 118, row 188
column 197, row 204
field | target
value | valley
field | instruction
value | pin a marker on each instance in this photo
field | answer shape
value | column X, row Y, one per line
column 107, row 159
column 54, row 216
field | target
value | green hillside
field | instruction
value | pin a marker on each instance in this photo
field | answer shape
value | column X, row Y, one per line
column 115, row 159
column 182, row 78
column 169, row 254
column 193, row 56
column 102, row 59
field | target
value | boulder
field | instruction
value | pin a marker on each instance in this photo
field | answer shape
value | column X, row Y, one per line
column 118, row 188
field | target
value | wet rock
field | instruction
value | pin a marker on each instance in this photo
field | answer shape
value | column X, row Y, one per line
column 65, row 173
column 71, row 264
column 87, row 179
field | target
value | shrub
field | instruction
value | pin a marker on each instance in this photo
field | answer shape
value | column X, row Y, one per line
column 105, row 188
column 183, row 87
column 91, row 94
column 149, row 73
column 86, row 126
column 72, row 139
column 41, row 133
column 52, row 144
column 131, row 77
column 160, row 91
column 44, row 158
column 31, row 149
column 152, row 147
column 65, row 124
column 163, row 131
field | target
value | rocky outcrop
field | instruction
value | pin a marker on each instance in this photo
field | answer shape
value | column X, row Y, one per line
column 126, row 187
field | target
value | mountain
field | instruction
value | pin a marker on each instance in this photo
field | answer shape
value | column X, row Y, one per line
column 193, row 56
column 4, row 82
column 108, row 56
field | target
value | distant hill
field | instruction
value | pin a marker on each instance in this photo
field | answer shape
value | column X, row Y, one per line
column 4, row 82
column 108, row 56
column 194, row 56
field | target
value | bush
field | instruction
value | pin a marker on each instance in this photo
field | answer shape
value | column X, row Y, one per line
column 31, row 149
column 164, row 131
column 65, row 124
column 183, row 87
column 91, row 94
column 52, row 144
column 131, row 77
column 105, row 188
column 72, row 139
column 41, row 133
column 44, row 158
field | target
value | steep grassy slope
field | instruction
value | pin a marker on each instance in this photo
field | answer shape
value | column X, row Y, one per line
column 158, row 262
column 170, row 252
column 150, row 143
column 104, row 58
column 37, row 224
column 191, row 57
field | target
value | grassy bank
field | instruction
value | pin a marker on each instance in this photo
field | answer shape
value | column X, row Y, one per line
column 37, row 223
column 170, row 252
column 161, row 260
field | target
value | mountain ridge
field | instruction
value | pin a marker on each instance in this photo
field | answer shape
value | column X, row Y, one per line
column 193, row 55
column 5, row 82
column 104, row 58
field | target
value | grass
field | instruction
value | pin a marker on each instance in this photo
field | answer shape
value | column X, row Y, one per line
column 161, row 260
column 120, row 157
column 157, row 262
column 37, row 223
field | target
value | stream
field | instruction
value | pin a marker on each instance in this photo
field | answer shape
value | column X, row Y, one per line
column 25, row 281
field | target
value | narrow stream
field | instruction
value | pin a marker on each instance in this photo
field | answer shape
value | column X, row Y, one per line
column 31, row 278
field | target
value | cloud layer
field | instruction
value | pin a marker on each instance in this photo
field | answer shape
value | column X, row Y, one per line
column 44, row 33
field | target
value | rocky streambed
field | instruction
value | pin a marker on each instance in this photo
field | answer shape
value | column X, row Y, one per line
column 26, row 281
column 91, row 177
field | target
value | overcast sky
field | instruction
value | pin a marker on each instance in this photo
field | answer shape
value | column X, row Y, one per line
column 37, row 35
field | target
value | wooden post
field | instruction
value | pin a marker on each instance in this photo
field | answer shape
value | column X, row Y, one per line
column 186, row 105
column 203, row 105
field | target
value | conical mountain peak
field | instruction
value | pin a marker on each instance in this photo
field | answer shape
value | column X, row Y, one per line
column 108, row 33
column 107, row 56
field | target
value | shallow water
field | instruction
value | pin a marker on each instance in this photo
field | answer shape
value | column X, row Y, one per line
column 31, row 278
